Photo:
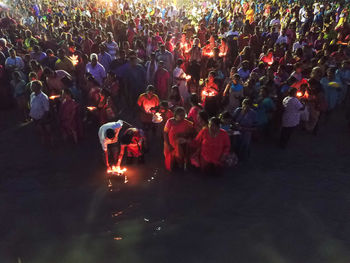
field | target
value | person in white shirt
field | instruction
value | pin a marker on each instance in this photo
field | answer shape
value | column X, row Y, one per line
column 291, row 116
column 39, row 111
column 96, row 69
column 13, row 62
column 109, row 139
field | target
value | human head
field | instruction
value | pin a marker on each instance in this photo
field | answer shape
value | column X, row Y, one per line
column 246, row 104
column 66, row 93
column 93, row 58
column 150, row 90
column 12, row 53
column 214, row 125
column 110, row 134
column 292, row 92
column 179, row 114
column 36, row 86
column 211, row 76
column 194, row 99
column 203, row 118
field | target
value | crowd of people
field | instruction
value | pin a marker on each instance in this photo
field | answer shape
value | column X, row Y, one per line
column 212, row 74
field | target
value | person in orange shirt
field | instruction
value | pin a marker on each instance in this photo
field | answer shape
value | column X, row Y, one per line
column 147, row 103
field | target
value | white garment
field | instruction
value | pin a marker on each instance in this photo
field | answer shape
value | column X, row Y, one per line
column 116, row 126
column 179, row 73
column 292, row 110
column 39, row 105
column 98, row 72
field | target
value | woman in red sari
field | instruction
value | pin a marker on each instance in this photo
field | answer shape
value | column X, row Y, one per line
column 214, row 145
column 176, row 132
column 68, row 116
column 162, row 80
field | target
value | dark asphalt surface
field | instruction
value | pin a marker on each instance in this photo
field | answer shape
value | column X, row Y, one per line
column 288, row 206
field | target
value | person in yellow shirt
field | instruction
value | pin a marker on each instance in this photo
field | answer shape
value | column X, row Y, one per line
column 63, row 62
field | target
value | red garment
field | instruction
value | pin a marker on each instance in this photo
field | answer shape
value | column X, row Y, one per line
column 212, row 149
column 134, row 149
column 175, row 130
column 161, row 80
column 243, row 40
column 87, row 45
column 146, row 104
column 68, row 116
column 193, row 116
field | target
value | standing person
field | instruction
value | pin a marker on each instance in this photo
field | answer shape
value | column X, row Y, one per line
column 176, row 131
column 180, row 80
column 39, row 111
column 234, row 89
column 165, row 56
column 291, row 116
column 162, row 80
column 96, row 69
column 63, row 62
column 104, row 58
column 151, row 69
column 148, row 102
column 13, row 62
column 111, row 45
column 68, row 116
column 19, row 93
column 245, row 122
column 214, row 146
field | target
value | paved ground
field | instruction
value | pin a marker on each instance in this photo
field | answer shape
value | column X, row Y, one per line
column 282, row 206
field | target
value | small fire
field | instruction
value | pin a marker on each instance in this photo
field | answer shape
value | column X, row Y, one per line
column 187, row 77
column 207, row 93
column 54, row 97
column 118, row 238
column 157, row 118
column 222, row 54
column 116, row 170
column 91, row 108
column 209, row 54
column 74, row 59
column 299, row 94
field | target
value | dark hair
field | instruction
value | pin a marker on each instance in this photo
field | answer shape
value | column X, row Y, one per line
column 127, row 137
column 68, row 92
column 215, row 120
column 292, row 91
column 110, row 133
column 194, row 99
column 204, row 116
column 164, row 104
column 179, row 110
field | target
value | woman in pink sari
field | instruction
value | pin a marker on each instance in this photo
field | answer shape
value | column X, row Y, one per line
column 177, row 131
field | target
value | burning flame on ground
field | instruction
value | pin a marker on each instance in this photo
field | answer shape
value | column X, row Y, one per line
column 116, row 170
column 74, row 59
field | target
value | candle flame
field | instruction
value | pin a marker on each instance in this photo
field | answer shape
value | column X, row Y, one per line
column 74, row 59
column 299, row 94
column 91, row 108
column 157, row 118
column 54, row 97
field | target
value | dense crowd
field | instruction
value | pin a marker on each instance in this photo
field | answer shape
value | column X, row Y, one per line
column 210, row 75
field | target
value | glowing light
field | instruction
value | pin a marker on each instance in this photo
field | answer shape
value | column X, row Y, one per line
column 74, row 59
column 208, row 54
column 54, row 97
column 208, row 93
column 116, row 170
column 91, row 108
column 157, row 118
column 117, row 238
column 299, row 94
column 222, row 54
column 187, row 77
